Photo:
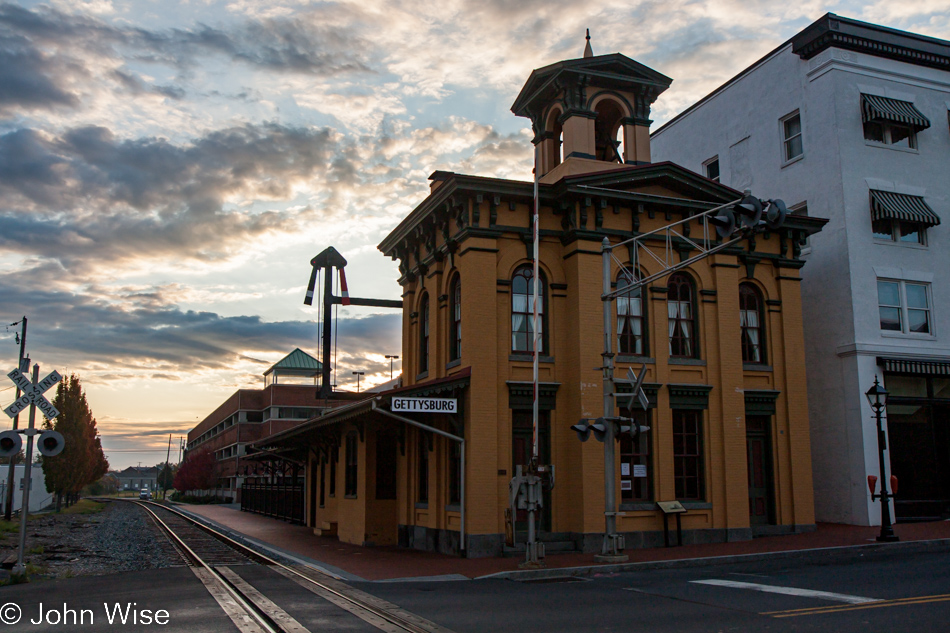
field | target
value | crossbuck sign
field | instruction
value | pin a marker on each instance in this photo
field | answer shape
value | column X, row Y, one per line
column 33, row 394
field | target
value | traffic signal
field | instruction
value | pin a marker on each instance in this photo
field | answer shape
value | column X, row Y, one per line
column 582, row 429
column 725, row 222
column 750, row 211
column 775, row 214
column 10, row 443
column 599, row 429
column 51, row 443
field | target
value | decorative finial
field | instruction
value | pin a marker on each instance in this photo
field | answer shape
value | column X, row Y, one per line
column 588, row 51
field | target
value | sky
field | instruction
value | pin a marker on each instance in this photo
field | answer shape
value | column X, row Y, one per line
column 169, row 167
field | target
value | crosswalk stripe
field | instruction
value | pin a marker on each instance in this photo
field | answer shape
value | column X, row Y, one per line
column 788, row 591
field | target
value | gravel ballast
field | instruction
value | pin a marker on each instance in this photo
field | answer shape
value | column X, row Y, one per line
column 119, row 538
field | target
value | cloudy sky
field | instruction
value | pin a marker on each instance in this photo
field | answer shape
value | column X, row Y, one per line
column 168, row 168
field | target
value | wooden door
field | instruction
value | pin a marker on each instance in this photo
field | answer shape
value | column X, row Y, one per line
column 759, row 457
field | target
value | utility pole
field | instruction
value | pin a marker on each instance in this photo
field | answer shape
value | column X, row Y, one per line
column 8, row 502
column 168, row 454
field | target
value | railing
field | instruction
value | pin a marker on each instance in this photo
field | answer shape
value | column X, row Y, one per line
column 279, row 500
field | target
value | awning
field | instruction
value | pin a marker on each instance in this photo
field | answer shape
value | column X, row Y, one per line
column 875, row 108
column 887, row 205
column 923, row 367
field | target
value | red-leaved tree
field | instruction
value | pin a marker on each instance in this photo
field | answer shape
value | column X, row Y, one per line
column 196, row 472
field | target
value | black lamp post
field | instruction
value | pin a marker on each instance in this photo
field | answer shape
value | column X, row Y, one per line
column 877, row 398
column 391, row 358
column 358, row 374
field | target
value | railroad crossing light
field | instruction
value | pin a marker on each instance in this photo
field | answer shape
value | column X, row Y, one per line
column 582, row 429
column 10, row 443
column 51, row 443
column 750, row 211
column 725, row 222
column 599, row 429
column 775, row 214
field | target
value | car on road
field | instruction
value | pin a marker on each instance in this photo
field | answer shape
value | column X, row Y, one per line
column 145, row 494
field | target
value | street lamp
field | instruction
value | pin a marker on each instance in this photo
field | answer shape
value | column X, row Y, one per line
column 391, row 358
column 358, row 374
column 877, row 398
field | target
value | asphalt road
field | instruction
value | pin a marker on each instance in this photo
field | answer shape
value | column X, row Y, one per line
column 866, row 594
column 893, row 592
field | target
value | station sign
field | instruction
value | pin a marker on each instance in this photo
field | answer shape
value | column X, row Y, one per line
column 425, row 405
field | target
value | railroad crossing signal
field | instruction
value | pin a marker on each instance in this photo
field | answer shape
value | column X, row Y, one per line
column 33, row 394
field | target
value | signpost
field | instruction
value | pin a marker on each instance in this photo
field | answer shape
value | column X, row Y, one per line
column 32, row 396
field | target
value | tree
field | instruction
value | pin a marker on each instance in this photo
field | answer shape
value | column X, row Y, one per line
column 196, row 472
column 82, row 461
column 166, row 477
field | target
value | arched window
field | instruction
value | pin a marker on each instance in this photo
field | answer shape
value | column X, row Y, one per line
column 424, row 334
column 608, row 131
column 631, row 320
column 752, row 324
column 455, row 315
column 522, row 312
column 682, row 315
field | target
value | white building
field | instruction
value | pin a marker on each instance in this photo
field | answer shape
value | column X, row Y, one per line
column 849, row 121
column 39, row 498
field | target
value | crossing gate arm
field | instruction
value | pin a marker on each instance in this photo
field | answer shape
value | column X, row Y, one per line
column 455, row 438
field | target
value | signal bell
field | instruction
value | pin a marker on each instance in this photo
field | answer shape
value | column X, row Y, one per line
column 51, row 443
column 10, row 443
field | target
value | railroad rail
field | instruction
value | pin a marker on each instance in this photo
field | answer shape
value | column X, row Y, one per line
column 211, row 553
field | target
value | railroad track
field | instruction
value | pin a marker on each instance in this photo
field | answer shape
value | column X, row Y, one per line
column 212, row 554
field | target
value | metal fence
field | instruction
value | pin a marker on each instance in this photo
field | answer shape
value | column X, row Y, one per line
column 279, row 500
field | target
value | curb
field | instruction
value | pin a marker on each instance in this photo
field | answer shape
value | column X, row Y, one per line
column 806, row 555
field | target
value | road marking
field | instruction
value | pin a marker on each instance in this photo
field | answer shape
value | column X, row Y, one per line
column 901, row 602
column 788, row 591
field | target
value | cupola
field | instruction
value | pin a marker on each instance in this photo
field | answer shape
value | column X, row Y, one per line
column 590, row 114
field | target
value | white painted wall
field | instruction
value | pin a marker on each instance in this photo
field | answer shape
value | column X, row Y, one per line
column 39, row 498
column 741, row 123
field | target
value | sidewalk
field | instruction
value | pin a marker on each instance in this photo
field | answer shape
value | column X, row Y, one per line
column 355, row 563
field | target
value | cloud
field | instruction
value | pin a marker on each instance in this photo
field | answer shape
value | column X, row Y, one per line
column 88, row 195
column 117, row 336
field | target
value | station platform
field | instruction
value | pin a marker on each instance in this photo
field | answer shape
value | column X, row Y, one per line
column 380, row 564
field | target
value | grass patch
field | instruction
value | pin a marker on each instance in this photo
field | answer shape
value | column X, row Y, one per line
column 84, row 506
column 9, row 527
column 39, row 549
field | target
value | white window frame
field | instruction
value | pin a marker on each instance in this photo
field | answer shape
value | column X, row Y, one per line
column 895, row 235
column 785, row 139
column 887, row 142
column 905, row 308
column 714, row 159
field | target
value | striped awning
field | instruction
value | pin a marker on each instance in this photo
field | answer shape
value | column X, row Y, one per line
column 887, row 205
column 915, row 367
column 875, row 108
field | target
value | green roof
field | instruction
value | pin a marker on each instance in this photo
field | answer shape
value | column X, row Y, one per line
column 296, row 363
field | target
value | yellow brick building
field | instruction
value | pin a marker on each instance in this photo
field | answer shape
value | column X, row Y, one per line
column 721, row 340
